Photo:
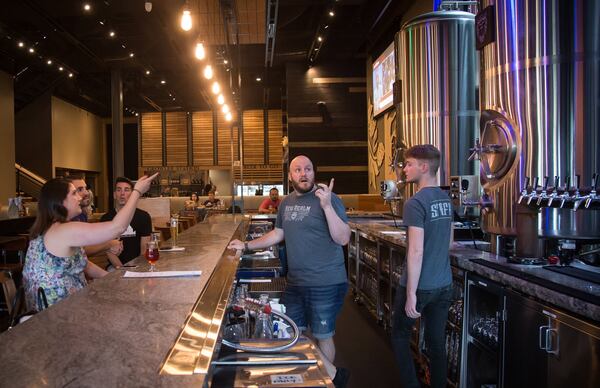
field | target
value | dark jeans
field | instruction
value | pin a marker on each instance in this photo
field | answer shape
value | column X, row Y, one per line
column 433, row 306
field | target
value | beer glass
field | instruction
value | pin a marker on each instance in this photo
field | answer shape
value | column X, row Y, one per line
column 151, row 254
column 174, row 229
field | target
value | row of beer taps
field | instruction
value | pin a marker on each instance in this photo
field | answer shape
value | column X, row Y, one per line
column 559, row 196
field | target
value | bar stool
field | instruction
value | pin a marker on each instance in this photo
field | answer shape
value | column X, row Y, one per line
column 12, row 251
column 9, row 291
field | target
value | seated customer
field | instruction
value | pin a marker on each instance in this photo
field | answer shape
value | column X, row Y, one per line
column 212, row 201
column 55, row 259
column 271, row 204
column 192, row 203
column 139, row 229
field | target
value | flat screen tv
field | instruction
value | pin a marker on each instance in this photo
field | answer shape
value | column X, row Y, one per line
column 384, row 75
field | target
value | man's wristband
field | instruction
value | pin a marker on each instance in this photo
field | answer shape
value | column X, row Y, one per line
column 246, row 246
column 138, row 191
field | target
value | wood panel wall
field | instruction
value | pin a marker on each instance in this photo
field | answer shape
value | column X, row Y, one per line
column 254, row 136
column 326, row 119
column 151, row 139
column 224, row 142
column 202, row 139
column 176, row 139
column 275, row 134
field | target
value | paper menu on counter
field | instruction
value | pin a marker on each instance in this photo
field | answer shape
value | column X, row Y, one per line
column 161, row 274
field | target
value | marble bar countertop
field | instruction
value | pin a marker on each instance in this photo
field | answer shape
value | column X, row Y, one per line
column 462, row 257
column 117, row 332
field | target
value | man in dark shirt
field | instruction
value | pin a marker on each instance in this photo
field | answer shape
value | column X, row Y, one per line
column 137, row 234
column 426, row 284
column 212, row 201
column 79, row 182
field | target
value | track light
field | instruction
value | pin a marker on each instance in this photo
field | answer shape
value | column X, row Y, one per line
column 216, row 88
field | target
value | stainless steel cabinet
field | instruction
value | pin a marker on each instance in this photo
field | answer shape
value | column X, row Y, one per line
column 548, row 348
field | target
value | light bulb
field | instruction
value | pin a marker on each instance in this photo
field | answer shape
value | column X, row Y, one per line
column 70, row 75
column 21, row 44
column 60, row 68
column 320, row 39
column 208, row 72
column 186, row 20
column 225, row 109
column 49, row 61
column 331, row 13
column 228, row 116
column 221, row 99
column 216, row 88
column 87, row 7
column 200, row 53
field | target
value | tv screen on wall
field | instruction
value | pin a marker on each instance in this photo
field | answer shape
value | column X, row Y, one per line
column 384, row 74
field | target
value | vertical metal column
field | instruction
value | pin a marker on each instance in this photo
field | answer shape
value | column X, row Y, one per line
column 116, row 97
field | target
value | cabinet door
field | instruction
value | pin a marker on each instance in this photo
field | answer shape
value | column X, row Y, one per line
column 525, row 364
column 574, row 360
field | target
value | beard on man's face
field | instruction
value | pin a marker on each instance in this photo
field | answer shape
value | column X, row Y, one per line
column 303, row 186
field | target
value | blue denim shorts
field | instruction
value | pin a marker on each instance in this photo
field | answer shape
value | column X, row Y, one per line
column 316, row 307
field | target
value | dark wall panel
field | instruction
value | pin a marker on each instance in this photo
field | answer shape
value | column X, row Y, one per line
column 326, row 109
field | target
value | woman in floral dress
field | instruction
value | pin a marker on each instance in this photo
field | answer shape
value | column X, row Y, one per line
column 56, row 261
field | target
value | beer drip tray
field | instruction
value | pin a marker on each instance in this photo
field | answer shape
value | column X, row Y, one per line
column 582, row 274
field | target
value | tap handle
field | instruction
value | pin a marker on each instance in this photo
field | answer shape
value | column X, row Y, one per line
column 535, row 182
column 577, row 181
column 526, row 187
column 546, row 181
column 556, row 182
column 594, row 181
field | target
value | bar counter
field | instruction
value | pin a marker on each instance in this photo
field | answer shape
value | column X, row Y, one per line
column 571, row 294
column 116, row 331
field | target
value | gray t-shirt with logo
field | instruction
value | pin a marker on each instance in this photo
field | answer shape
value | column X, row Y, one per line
column 314, row 259
column 430, row 209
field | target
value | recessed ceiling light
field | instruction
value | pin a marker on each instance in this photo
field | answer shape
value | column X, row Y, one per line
column 70, row 75
column 173, row 98
column 331, row 13
column 123, row 45
column 163, row 82
column 316, row 49
column 87, row 7
column 326, row 26
column 60, row 68
column 225, row 61
column 31, row 50
column 147, row 72
column 112, row 34
column 49, row 61
column 137, row 114
column 21, row 44
column 101, row 22
column 320, row 39
column 258, row 79
column 131, row 55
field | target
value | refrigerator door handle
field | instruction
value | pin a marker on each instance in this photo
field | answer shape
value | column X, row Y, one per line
column 552, row 341
column 543, row 337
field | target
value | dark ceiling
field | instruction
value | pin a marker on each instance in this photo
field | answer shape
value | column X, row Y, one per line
column 79, row 41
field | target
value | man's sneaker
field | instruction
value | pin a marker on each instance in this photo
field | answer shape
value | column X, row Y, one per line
column 342, row 375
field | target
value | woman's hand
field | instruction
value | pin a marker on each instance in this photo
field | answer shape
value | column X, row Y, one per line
column 143, row 183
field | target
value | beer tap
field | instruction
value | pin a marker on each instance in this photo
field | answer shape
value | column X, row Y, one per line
column 533, row 189
column 543, row 193
column 587, row 198
column 525, row 190
column 565, row 195
column 554, row 191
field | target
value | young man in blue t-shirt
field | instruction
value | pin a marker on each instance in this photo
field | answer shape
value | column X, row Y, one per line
column 313, row 221
column 426, row 284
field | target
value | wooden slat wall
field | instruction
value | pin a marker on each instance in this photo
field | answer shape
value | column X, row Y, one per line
column 224, row 140
column 151, row 139
column 202, row 135
column 176, row 123
column 268, row 173
column 254, row 137
column 275, row 134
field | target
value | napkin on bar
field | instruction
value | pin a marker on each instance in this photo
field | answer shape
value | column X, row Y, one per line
column 161, row 274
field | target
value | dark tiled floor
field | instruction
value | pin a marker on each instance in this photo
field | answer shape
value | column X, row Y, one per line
column 364, row 348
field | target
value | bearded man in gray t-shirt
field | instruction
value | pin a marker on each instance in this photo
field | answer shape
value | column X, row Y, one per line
column 426, row 284
column 313, row 221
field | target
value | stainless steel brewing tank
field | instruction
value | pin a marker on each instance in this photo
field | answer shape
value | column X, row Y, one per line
column 540, row 104
column 437, row 69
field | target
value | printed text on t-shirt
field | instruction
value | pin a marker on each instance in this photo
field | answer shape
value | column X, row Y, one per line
column 440, row 209
column 296, row 212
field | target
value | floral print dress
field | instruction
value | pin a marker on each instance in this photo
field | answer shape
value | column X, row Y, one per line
column 58, row 276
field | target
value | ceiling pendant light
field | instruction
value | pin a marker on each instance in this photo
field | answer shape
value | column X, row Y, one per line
column 221, row 99
column 228, row 116
column 208, row 72
column 225, row 109
column 200, row 53
column 216, row 88
column 186, row 18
